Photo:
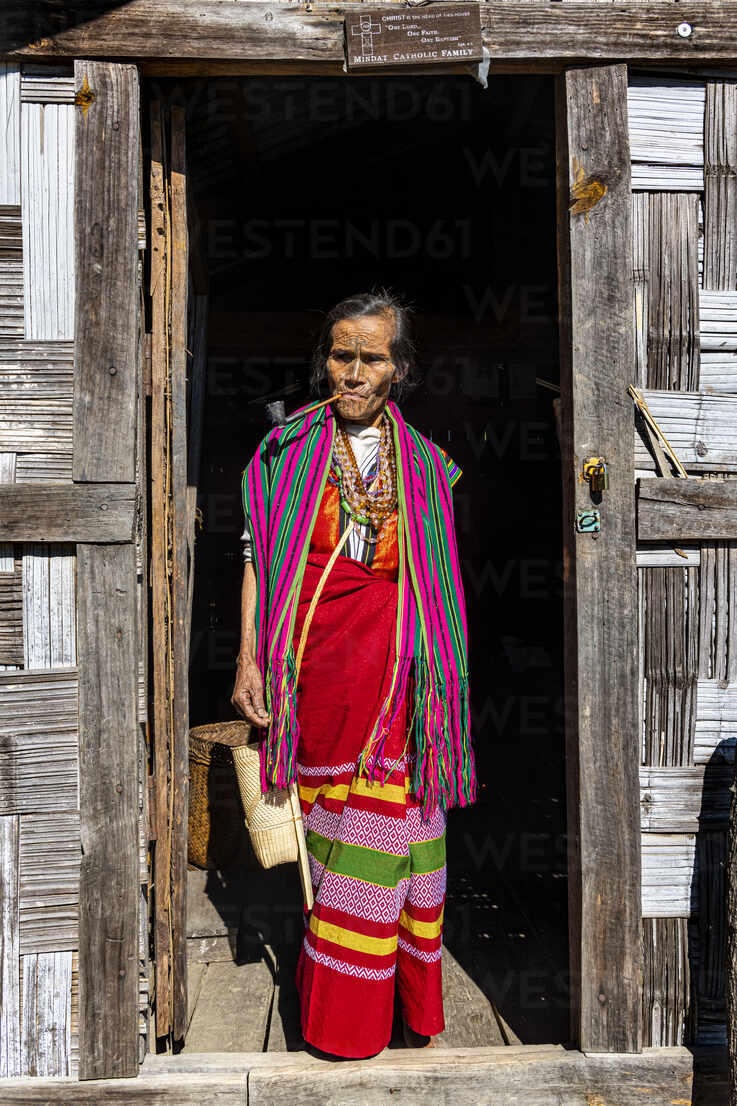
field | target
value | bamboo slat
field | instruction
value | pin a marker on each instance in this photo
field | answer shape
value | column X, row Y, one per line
column 720, row 185
column 684, row 799
column 38, row 733
column 716, row 722
column 11, row 618
column 10, row 1052
column 667, row 1002
column 668, row 875
column 11, row 272
column 670, row 645
column 699, row 426
column 47, row 166
column 36, row 411
column 718, row 360
column 673, row 292
column 49, row 882
column 10, row 115
column 666, row 126
column 46, row 1010
column 40, row 89
column 49, row 617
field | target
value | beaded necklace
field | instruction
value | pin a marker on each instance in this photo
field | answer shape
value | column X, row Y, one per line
column 370, row 508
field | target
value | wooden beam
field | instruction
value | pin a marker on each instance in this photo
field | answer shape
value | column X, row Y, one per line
column 67, row 512
column 600, row 581
column 108, row 802
column 106, row 237
column 673, row 509
column 539, row 35
column 179, row 582
column 160, row 604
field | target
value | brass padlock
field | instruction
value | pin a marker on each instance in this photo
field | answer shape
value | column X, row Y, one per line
column 596, row 474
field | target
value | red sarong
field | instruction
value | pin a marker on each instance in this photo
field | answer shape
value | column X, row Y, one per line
column 378, row 871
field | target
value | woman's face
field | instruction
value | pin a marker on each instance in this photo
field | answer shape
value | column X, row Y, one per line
column 360, row 365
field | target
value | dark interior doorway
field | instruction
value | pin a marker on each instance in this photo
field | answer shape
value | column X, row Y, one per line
column 306, row 190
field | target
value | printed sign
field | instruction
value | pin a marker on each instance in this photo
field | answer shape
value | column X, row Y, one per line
column 427, row 36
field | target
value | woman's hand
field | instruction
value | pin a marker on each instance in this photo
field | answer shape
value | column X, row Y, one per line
column 248, row 693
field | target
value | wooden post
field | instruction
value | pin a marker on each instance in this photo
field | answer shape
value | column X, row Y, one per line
column 105, row 389
column 179, row 581
column 108, row 800
column 600, row 585
column 158, row 571
column 106, row 222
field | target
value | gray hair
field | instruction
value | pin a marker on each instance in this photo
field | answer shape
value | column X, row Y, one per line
column 379, row 302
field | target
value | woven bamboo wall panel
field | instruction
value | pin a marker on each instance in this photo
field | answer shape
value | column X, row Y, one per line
column 12, row 322
column 666, row 124
column 38, row 742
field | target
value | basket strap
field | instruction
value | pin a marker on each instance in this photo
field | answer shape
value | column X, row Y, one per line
column 318, row 592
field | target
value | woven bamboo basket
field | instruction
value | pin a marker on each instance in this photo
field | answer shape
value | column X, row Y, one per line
column 217, row 834
column 269, row 816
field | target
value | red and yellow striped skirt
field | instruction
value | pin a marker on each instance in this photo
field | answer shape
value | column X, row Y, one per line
column 378, row 869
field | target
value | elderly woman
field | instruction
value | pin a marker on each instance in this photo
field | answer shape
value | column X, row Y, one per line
column 375, row 729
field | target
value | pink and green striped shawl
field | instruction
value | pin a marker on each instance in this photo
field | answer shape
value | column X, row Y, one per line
column 282, row 488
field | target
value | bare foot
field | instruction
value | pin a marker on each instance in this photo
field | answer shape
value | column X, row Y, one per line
column 416, row 1040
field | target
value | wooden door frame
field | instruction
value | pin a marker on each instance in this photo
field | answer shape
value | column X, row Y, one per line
column 258, row 38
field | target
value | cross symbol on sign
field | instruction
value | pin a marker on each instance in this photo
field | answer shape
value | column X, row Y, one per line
column 367, row 29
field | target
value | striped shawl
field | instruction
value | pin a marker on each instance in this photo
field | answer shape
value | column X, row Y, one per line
column 282, row 488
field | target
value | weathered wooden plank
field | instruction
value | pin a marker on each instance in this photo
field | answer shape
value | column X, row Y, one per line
column 36, row 412
column 673, row 292
column 699, row 426
column 45, row 1021
column 600, row 612
column 49, row 882
column 233, row 1008
column 10, row 1055
column 669, row 871
column 106, row 213
column 684, row 798
column 47, row 167
column 666, row 126
column 10, row 114
column 179, row 580
column 716, row 722
column 67, row 513
column 108, row 803
column 674, row 509
column 225, row 1089
column 160, row 598
column 530, row 33
column 38, row 741
column 720, row 185
column 667, row 982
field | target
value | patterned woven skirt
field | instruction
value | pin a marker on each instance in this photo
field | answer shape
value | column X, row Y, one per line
column 378, row 869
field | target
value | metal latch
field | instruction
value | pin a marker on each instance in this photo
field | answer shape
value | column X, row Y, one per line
column 596, row 474
column 588, row 522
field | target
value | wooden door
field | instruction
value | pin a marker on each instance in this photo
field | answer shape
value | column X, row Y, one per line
column 73, row 749
column 648, row 268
